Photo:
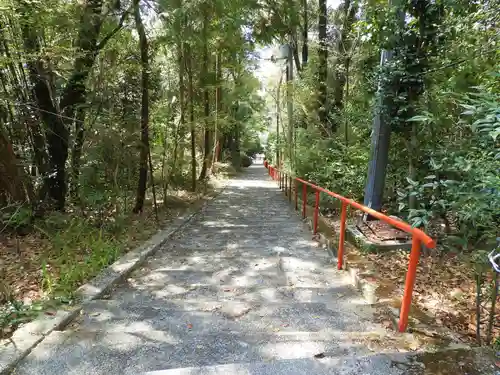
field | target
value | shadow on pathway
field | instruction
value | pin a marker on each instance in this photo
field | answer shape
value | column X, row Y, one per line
column 241, row 290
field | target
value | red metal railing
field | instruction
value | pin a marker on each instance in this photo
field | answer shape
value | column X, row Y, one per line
column 418, row 236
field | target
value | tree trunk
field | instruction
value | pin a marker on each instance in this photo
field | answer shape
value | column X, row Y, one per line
column 218, row 109
column 57, row 133
column 206, row 98
column 73, row 95
column 191, row 118
column 322, row 67
column 77, row 152
column 235, row 144
column 206, row 148
column 289, row 102
column 17, row 82
column 143, row 157
column 13, row 181
column 180, row 25
column 346, row 98
column 179, row 129
column 305, row 36
column 412, row 146
column 343, row 60
column 278, row 142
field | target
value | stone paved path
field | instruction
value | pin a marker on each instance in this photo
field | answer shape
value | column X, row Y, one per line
column 241, row 290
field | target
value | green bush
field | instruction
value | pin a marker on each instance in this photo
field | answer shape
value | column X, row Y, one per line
column 459, row 184
column 246, row 160
column 331, row 164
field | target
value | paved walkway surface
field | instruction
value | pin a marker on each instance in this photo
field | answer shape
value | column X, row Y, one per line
column 241, row 290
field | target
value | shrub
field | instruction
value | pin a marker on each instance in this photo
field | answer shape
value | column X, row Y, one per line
column 246, row 160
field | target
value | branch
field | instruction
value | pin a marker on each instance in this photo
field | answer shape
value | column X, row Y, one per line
column 113, row 32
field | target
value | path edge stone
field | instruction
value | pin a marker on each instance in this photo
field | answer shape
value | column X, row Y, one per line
column 27, row 337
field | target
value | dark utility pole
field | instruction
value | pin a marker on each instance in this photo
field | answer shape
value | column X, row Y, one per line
column 381, row 134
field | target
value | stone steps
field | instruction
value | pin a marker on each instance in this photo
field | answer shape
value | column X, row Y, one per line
column 212, row 316
column 242, row 285
column 96, row 352
column 373, row 365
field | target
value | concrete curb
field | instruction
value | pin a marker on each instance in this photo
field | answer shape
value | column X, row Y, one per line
column 368, row 289
column 358, row 239
column 26, row 338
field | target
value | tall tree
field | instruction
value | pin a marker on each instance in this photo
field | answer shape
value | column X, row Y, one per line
column 144, row 144
column 59, row 118
column 347, row 17
column 192, row 125
column 206, row 95
column 56, row 133
column 305, row 33
column 322, row 66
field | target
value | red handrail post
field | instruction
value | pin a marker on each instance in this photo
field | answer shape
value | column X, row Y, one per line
column 290, row 189
column 304, row 200
column 409, row 283
column 343, row 218
column 316, row 212
column 296, row 195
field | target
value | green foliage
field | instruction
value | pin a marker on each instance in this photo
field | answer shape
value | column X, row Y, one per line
column 441, row 98
column 79, row 251
column 252, row 146
column 463, row 187
column 246, row 160
column 15, row 217
column 15, row 313
column 332, row 165
column 496, row 344
column 484, row 107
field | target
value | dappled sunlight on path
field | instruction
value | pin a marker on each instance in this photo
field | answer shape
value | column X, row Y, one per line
column 242, row 289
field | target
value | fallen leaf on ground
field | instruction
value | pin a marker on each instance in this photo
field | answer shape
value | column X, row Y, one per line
column 190, row 326
column 319, row 355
